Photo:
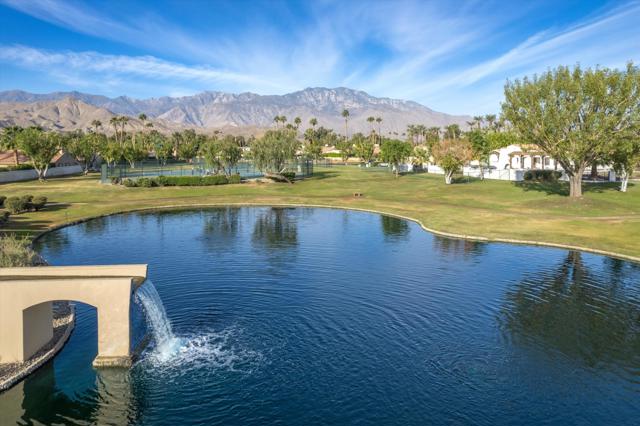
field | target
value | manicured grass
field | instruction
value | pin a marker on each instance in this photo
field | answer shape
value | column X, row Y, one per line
column 604, row 219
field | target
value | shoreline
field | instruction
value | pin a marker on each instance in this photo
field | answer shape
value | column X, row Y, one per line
column 635, row 259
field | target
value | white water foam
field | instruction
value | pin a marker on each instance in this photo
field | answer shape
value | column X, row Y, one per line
column 210, row 349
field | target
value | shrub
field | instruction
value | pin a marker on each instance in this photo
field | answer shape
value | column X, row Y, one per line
column 18, row 167
column 542, row 175
column 235, row 178
column 16, row 251
column 15, row 205
column 115, row 180
column 4, row 217
column 2, row 198
column 28, row 202
column 146, row 183
column 289, row 175
column 214, row 180
column 38, row 203
column 192, row 180
column 129, row 183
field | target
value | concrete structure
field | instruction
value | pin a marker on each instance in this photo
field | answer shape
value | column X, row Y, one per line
column 26, row 315
column 30, row 174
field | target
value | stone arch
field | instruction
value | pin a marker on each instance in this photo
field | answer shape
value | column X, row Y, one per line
column 26, row 295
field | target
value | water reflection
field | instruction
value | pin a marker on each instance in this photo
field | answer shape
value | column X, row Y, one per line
column 394, row 229
column 572, row 309
column 221, row 225
column 275, row 228
column 458, row 248
column 38, row 400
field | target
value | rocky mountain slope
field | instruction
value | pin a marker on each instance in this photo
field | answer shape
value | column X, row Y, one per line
column 67, row 114
column 224, row 110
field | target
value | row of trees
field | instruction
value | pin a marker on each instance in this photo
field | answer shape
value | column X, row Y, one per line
column 220, row 153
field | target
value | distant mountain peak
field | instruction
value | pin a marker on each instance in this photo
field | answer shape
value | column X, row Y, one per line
column 215, row 109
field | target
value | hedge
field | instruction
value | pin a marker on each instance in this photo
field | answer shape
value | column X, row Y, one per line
column 14, row 168
column 542, row 175
column 181, row 181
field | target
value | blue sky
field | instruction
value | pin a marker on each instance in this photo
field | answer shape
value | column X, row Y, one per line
column 451, row 56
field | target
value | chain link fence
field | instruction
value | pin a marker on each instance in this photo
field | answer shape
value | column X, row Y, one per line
column 246, row 169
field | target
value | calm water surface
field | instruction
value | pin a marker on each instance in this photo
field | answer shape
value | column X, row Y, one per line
column 314, row 316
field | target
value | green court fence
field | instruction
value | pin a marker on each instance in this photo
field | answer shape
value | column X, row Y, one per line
column 246, row 169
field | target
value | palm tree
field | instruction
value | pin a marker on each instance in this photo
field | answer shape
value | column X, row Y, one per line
column 345, row 115
column 276, row 120
column 297, row 122
column 114, row 121
column 379, row 121
column 478, row 120
column 313, row 122
column 96, row 125
column 491, row 118
column 411, row 133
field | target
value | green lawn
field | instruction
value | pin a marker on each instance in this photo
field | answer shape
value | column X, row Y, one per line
column 604, row 219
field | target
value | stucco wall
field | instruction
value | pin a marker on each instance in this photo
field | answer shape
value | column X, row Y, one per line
column 21, row 175
column 37, row 329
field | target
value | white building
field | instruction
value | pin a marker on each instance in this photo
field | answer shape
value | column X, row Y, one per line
column 511, row 162
column 521, row 158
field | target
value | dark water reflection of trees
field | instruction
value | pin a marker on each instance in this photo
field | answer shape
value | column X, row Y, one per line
column 458, row 248
column 221, row 225
column 275, row 228
column 571, row 309
column 112, row 401
column 394, row 229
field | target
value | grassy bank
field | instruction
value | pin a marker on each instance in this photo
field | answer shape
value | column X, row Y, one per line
column 604, row 219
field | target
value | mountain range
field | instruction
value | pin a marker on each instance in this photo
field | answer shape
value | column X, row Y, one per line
column 219, row 110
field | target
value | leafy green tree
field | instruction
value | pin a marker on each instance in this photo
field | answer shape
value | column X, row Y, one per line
column 111, row 151
column 187, row 145
column 345, row 146
column 271, row 152
column 481, row 148
column 162, row 146
column 575, row 116
column 224, row 153
column 451, row 155
column 421, row 154
column 363, row 147
column 133, row 152
column 625, row 157
column 312, row 144
column 40, row 147
column 395, row 152
column 9, row 141
column 84, row 147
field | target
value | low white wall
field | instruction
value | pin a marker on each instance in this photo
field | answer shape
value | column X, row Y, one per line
column 506, row 174
column 20, row 175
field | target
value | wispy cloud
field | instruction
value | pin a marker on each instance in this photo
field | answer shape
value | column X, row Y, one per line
column 451, row 57
column 143, row 66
